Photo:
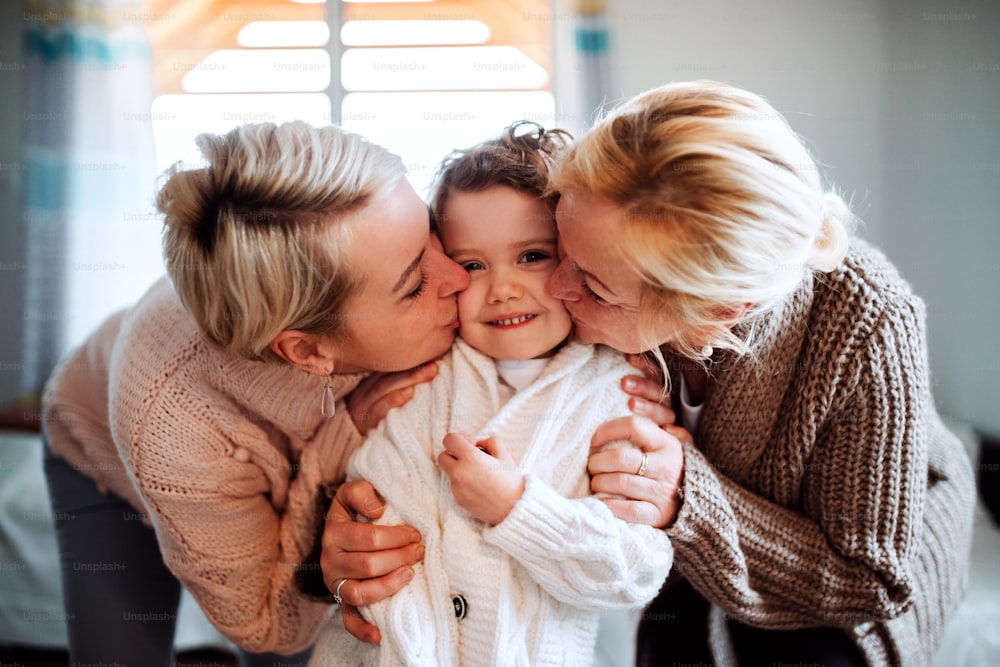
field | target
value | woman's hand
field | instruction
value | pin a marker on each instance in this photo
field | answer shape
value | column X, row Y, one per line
column 378, row 393
column 485, row 479
column 647, row 391
column 652, row 497
column 648, row 396
column 376, row 560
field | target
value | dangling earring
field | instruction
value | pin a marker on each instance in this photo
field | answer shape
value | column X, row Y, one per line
column 707, row 351
column 328, row 405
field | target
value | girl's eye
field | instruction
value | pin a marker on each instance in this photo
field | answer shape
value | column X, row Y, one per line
column 534, row 256
column 473, row 266
column 419, row 288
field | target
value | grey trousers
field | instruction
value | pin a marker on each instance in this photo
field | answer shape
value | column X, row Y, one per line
column 119, row 597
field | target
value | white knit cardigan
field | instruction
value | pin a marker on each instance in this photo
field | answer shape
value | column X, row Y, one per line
column 534, row 584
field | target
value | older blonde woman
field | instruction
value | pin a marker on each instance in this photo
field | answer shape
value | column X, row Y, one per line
column 822, row 511
column 202, row 422
column 818, row 509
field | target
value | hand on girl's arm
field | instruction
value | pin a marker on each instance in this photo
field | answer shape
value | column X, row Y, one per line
column 376, row 560
column 648, row 396
column 654, row 497
column 378, row 393
column 485, row 479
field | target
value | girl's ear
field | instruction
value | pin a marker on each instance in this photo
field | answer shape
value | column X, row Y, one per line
column 307, row 352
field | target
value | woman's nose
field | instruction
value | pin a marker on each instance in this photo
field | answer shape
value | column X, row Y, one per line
column 454, row 278
column 563, row 283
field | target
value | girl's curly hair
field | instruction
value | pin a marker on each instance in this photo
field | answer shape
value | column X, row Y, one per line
column 519, row 159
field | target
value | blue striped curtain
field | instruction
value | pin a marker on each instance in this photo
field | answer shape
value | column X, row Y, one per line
column 89, row 171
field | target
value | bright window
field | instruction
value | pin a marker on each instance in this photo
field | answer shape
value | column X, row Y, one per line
column 423, row 79
column 420, row 78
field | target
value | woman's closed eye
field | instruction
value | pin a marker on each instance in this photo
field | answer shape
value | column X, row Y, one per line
column 419, row 289
column 594, row 295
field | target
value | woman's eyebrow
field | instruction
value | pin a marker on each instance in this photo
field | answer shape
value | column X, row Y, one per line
column 406, row 274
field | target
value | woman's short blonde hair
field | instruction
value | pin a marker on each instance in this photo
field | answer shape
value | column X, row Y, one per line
column 252, row 240
column 723, row 205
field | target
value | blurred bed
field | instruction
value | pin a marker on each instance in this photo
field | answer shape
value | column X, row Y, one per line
column 31, row 612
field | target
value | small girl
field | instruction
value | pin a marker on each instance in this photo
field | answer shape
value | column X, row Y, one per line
column 489, row 460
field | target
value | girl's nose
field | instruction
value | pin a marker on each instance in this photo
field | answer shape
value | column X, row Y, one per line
column 504, row 286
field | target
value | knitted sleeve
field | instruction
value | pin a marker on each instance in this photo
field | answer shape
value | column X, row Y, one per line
column 579, row 553
column 220, row 531
column 845, row 558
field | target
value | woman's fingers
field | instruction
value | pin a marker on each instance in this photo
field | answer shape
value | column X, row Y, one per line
column 646, row 365
column 358, row 626
column 645, row 388
column 648, row 399
column 379, row 555
column 660, row 415
column 634, row 512
column 357, row 497
column 621, row 460
column 371, row 540
column 374, row 396
column 680, row 433
column 653, row 501
column 657, row 453
column 357, row 592
column 641, row 432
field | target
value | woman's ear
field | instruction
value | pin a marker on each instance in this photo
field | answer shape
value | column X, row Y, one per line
column 728, row 317
column 307, row 352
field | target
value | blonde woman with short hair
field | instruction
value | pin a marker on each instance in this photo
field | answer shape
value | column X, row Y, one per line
column 189, row 437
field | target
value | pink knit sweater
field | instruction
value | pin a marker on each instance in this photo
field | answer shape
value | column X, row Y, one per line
column 224, row 456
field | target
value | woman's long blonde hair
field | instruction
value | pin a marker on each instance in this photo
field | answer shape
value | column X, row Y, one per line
column 723, row 205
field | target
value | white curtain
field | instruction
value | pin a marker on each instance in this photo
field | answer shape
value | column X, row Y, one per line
column 92, row 241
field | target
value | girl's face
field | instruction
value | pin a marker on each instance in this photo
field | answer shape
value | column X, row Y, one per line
column 598, row 287
column 405, row 312
column 506, row 241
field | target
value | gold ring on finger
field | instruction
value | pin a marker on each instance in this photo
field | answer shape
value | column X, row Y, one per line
column 642, row 466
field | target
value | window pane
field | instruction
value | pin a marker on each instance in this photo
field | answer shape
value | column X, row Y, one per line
column 402, row 33
column 264, row 70
column 441, row 68
column 423, row 127
column 284, row 33
column 178, row 119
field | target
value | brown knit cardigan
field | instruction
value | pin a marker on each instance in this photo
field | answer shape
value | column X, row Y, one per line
column 823, row 489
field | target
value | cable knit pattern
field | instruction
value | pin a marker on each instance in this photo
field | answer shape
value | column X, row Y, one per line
column 225, row 456
column 536, row 582
column 823, row 489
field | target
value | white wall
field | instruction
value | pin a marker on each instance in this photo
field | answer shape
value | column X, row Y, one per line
column 901, row 102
